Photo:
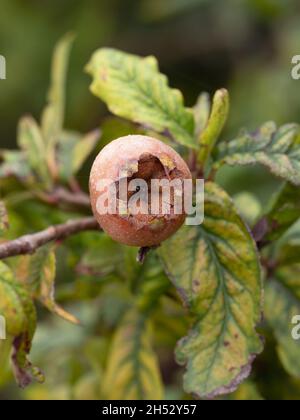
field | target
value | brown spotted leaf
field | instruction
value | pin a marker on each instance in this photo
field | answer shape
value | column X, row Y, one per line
column 215, row 268
column 17, row 307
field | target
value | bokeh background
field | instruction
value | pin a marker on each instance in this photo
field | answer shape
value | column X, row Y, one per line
column 243, row 45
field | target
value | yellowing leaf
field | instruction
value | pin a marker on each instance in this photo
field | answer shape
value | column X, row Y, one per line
column 37, row 272
column 18, row 309
column 31, row 141
column 214, row 125
column 274, row 148
column 215, row 269
column 132, row 372
column 133, row 88
column 282, row 303
column 201, row 112
column 15, row 165
column 284, row 211
column 53, row 115
column 83, row 149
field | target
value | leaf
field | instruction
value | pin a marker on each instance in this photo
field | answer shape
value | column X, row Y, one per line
column 132, row 372
column 248, row 206
column 102, row 258
column 215, row 269
column 15, row 164
column 214, row 126
column 83, row 149
column 201, row 112
column 64, row 152
column 284, row 211
column 31, row 142
column 18, row 309
column 53, row 115
column 73, row 150
column 133, row 88
column 4, row 224
column 274, row 148
column 38, row 272
column 282, row 303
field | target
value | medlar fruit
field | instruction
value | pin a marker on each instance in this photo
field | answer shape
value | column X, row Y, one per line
column 140, row 159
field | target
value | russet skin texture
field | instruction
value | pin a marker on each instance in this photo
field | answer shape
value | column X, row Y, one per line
column 154, row 160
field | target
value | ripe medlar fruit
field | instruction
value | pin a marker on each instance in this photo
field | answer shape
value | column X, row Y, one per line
column 142, row 159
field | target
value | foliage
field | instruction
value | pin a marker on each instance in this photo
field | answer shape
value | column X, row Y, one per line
column 203, row 288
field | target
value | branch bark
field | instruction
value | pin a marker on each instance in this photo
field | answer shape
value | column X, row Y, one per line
column 28, row 244
column 62, row 196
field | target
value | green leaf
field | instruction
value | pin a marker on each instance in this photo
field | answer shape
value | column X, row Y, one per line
column 37, row 272
column 18, row 309
column 102, row 258
column 215, row 269
column 4, row 224
column 83, row 149
column 31, row 141
column 132, row 372
column 133, row 88
column 284, row 211
column 73, row 150
column 214, row 126
column 282, row 303
column 248, row 206
column 201, row 112
column 274, row 148
column 15, row 164
column 53, row 115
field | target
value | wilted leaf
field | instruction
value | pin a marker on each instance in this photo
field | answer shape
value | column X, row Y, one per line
column 133, row 88
column 282, row 303
column 132, row 372
column 3, row 218
column 37, row 272
column 271, row 147
column 215, row 268
column 31, row 141
column 18, row 309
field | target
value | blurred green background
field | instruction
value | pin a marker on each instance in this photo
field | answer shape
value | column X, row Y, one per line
column 244, row 45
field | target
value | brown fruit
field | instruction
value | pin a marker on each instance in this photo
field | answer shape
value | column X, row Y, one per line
column 143, row 158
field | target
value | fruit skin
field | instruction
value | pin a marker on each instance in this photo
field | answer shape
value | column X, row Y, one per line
column 135, row 151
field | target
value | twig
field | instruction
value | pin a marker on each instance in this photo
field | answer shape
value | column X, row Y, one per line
column 143, row 252
column 28, row 244
column 62, row 196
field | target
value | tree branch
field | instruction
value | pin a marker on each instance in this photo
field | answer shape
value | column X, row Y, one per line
column 62, row 196
column 28, row 244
